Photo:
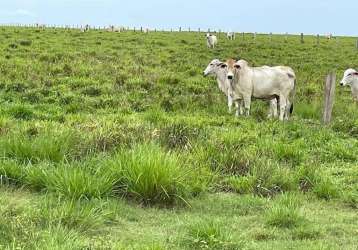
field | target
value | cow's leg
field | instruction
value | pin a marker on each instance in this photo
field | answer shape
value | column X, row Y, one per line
column 229, row 102
column 247, row 104
column 239, row 108
column 273, row 109
column 287, row 111
column 283, row 102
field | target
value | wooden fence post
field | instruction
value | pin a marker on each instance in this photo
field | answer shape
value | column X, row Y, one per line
column 270, row 36
column 302, row 40
column 179, row 29
column 317, row 39
column 189, row 29
column 329, row 97
column 255, row 34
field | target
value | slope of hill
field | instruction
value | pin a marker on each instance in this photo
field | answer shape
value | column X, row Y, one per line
column 116, row 141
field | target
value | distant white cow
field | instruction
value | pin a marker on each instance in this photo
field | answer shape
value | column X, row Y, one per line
column 113, row 28
column 350, row 78
column 230, row 35
column 85, row 28
column 218, row 69
column 211, row 40
column 261, row 83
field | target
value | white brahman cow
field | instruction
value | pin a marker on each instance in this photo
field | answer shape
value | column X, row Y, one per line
column 261, row 83
column 218, row 69
column 230, row 35
column 350, row 78
column 211, row 40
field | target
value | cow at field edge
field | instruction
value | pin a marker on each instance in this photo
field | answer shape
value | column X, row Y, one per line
column 218, row 69
column 211, row 40
column 230, row 35
column 350, row 78
column 261, row 83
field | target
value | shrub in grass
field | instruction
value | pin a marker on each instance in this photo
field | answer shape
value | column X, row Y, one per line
column 208, row 234
column 148, row 174
column 284, row 213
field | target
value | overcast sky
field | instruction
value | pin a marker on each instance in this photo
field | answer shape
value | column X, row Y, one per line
column 278, row 16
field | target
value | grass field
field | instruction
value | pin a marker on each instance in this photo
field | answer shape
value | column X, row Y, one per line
column 117, row 141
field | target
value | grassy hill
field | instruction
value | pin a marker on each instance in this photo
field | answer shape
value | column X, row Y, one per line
column 116, row 141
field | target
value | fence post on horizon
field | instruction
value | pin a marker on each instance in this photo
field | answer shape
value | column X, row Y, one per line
column 302, row 39
column 270, row 37
column 318, row 42
column 329, row 97
column 255, row 34
column 179, row 29
column 141, row 29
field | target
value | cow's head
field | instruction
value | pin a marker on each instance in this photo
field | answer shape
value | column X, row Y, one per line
column 214, row 67
column 349, row 76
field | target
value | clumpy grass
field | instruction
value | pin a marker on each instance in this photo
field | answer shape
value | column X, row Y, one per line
column 208, row 234
column 285, row 212
column 311, row 178
column 326, row 189
column 306, row 232
column 84, row 216
column 50, row 145
column 74, row 182
column 21, row 112
column 150, row 175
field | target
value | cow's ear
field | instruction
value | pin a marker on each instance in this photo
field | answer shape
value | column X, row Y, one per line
column 222, row 65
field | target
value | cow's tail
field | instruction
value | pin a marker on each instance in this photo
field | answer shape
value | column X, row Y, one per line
column 292, row 97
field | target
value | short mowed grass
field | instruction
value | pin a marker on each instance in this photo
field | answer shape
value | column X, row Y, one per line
column 116, row 141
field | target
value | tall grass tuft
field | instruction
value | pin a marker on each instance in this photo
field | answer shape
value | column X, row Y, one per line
column 284, row 212
column 208, row 234
column 148, row 174
column 50, row 145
